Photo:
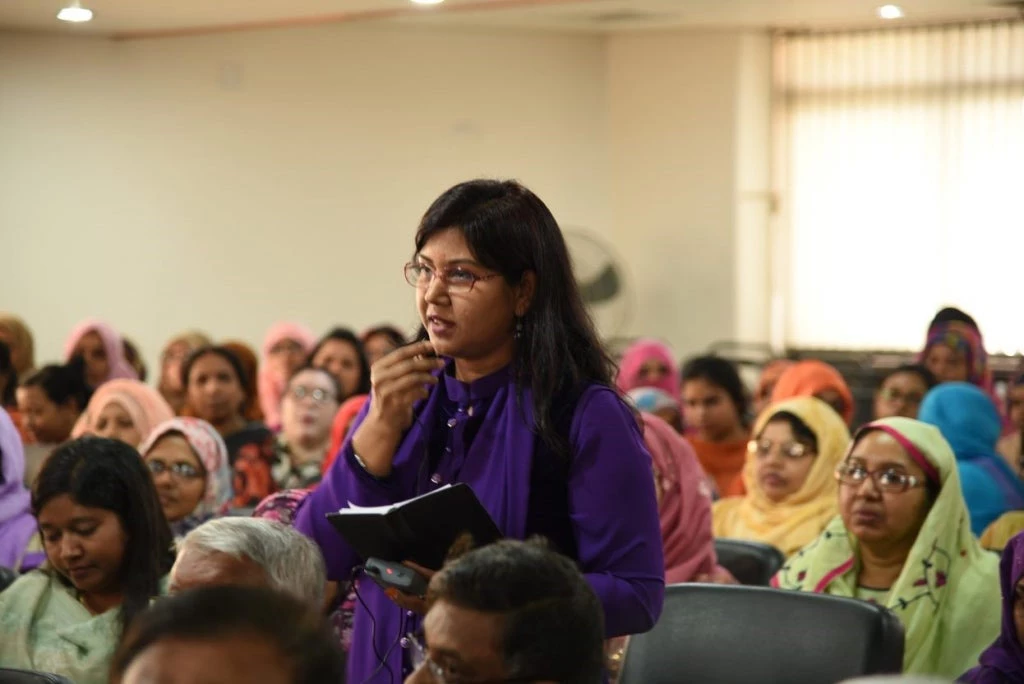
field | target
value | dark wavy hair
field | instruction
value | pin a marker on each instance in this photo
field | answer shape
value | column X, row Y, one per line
column 512, row 232
column 9, row 376
column 108, row 474
column 345, row 335
column 723, row 373
column 63, row 384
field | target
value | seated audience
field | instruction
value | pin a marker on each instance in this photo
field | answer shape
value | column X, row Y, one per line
column 285, row 350
column 123, row 409
column 341, row 426
column 107, row 546
column 20, row 547
column 648, row 363
column 173, row 357
column 789, row 477
column 380, row 341
column 251, row 552
column 813, row 378
column 902, row 390
column 51, row 400
column 968, row 420
column 9, row 392
column 715, row 411
column 341, row 353
column 229, row 635
column 954, row 350
column 134, row 358
column 250, row 373
column 904, row 541
column 510, row 612
column 16, row 335
column 190, row 468
column 659, row 403
column 1003, row 661
column 684, row 505
column 308, row 408
column 770, row 375
column 1011, row 447
column 999, row 533
column 102, row 349
column 216, row 392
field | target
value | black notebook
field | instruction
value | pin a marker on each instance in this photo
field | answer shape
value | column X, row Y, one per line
column 421, row 530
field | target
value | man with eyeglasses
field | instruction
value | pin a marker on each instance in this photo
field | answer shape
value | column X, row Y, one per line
column 510, row 612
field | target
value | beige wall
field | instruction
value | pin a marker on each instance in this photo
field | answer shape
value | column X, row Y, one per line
column 228, row 181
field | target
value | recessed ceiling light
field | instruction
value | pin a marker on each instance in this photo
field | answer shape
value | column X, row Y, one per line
column 427, row 2
column 890, row 12
column 75, row 13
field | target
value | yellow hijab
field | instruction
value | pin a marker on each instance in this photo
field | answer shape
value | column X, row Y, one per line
column 947, row 595
column 791, row 524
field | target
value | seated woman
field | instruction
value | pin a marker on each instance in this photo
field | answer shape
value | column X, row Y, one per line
column 9, row 391
column 381, row 340
column 902, row 390
column 648, row 363
column 341, row 353
column 16, row 335
column 51, row 400
column 107, row 546
column 215, row 391
column 968, row 420
column 904, row 541
column 123, row 409
column 250, row 374
column 509, row 392
column 102, row 349
column 659, row 403
column 770, row 375
column 1003, row 661
column 715, row 412
column 789, row 476
column 285, row 350
column 813, row 378
column 20, row 549
column 190, row 468
column 998, row 535
column 307, row 410
column 172, row 359
column 954, row 350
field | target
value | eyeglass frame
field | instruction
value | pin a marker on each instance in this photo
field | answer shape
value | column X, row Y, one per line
column 913, row 481
column 754, row 447
column 174, row 470
column 311, row 393
column 444, row 277
column 419, row 656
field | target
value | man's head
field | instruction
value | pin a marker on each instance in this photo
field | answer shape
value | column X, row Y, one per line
column 512, row 611
column 250, row 552
column 228, row 635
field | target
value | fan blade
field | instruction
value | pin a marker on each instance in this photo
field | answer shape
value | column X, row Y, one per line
column 602, row 288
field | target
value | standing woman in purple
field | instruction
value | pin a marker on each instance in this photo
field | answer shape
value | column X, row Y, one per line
column 519, row 405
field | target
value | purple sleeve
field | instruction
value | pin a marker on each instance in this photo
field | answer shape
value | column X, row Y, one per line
column 344, row 482
column 614, row 513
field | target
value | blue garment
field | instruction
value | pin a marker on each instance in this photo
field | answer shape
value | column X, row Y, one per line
column 481, row 434
column 970, row 423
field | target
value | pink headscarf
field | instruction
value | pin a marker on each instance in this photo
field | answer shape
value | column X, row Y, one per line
column 269, row 383
column 639, row 353
column 112, row 342
column 685, row 508
column 143, row 403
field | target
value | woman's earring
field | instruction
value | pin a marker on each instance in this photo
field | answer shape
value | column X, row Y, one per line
column 518, row 334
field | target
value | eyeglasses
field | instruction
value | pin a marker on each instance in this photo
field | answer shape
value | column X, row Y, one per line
column 318, row 395
column 182, row 471
column 420, row 657
column 888, row 480
column 457, row 280
column 790, row 450
column 894, row 395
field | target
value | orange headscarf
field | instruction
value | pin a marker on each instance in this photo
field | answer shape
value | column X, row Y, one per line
column 810, row 378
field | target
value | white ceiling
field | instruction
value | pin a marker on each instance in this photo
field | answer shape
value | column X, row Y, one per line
column 151, row 18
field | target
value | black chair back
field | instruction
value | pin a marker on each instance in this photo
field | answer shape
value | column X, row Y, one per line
column 7, row 577
column 751, row 563
column 8, row 676
column 756, row 635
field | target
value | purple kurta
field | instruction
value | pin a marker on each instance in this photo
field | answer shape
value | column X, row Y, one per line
column 612, row 505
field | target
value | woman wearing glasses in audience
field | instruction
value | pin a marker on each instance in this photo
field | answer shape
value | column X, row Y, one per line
column 189, row 463
column 341, row 353
column 903, row 540
column 108, row 548
column 902, row 391
column 285, row 350
column 789, row 476
column 216, row 392
column 508, row 391
column 307, row 411
column 126, row 410
column 813, row 378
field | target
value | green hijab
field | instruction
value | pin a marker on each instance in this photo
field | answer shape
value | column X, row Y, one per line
column 947, row 595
